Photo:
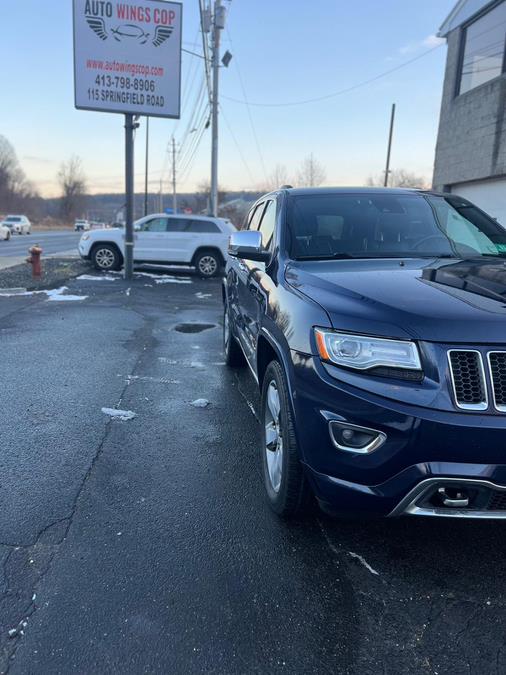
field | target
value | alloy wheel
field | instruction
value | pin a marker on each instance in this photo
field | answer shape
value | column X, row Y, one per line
column 105, row 258
column 273, row 436
column 208, row 265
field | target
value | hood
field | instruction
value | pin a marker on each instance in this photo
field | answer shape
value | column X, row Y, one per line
column 436, row 300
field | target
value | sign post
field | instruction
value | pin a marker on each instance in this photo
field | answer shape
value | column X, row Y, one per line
column 127, row 60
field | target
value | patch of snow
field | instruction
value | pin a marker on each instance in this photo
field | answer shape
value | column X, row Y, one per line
column 172, row 280
column 163, row 279
column 123, row 415
column 128, row 291
column 196, row 364
column 200, row 403
column 103, row 277
column 202, row 296
column 364, row 562
column 55, row 295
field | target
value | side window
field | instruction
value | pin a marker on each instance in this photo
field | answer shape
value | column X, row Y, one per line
column 176, row 224
column 202, row 226
column 155, row 225
column 255, row 219
column 268, row 223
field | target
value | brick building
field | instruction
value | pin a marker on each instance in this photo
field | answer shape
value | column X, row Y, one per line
column 471, row 146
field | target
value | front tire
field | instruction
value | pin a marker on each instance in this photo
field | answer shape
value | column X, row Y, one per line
column 106, row 258
column 284, row 480
column 231, row 349
column 208, row 264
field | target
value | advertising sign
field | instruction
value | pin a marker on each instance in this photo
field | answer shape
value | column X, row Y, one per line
column 127, row 56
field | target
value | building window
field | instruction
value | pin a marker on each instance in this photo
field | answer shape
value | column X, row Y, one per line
column 484, row 45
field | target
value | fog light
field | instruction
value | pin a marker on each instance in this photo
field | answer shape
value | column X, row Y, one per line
column 352, row 438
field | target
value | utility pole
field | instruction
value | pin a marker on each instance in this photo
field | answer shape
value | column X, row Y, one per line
column 147, row 169
column 389, row 150
column 161, row 196
column 218, row 26
column 174, row 193
column 130, row 126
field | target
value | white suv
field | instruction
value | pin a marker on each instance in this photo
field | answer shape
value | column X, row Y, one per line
column 18, row 224
column 197, row 241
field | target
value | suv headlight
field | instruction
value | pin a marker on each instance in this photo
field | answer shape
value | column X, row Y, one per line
column 364, row 353
column 85, row 237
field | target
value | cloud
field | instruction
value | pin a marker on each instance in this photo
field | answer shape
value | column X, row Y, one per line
column 429, row 42
column 38, row 160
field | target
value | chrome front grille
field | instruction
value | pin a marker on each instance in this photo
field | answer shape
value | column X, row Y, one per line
column 469, row 380
column 497, row 365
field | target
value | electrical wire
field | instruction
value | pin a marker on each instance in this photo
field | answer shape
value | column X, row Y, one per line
column 336, row 93
column 205, row 49
column 236, row 142
column 250, row 116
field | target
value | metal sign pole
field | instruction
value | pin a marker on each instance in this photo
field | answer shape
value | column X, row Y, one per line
column 129, row 193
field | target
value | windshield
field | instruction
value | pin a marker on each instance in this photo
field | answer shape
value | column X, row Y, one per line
column 13, row 219
column 390, row 225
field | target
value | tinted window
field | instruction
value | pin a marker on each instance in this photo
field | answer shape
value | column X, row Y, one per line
column 255, row 220
column 154, row 225
column 380, row 225
column 176, row 224
column 202, row 226
column 14, row 219
column 268, row 223
column 484, row 43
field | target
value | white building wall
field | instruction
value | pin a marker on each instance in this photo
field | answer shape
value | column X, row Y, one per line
column 489, row 195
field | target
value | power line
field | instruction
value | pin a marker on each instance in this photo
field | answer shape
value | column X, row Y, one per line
column 250, row 116
column 337, row 93
column 205, row 49
column 243, row 159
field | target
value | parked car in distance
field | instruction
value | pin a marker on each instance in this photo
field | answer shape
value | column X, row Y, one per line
column 375, row 324
column 18, row 224
column 81, row 225
column 5, row 232
column 188, row 240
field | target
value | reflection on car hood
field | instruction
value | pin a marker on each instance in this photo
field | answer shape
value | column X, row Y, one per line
column 436, row 300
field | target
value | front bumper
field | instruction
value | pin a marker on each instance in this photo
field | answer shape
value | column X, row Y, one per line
column 84, row 251
column 421, row 444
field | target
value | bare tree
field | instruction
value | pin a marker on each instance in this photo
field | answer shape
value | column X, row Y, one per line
column 14, row 188
column 311, row 172
column 399, row 178
column 277, row 178
column 203, row 196
column 72, row 181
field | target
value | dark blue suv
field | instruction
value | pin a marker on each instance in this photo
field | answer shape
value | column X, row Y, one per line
column 375, row 323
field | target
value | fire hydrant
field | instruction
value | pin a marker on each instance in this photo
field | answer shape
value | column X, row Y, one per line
column 34, row 260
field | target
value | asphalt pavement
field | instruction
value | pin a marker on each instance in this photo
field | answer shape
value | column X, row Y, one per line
column 51, row 241
column 146, row 545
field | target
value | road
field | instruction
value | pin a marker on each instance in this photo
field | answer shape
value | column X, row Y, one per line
column 51, row 242
column 146, row 546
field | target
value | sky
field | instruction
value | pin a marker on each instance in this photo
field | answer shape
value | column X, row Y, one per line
column 284, row 52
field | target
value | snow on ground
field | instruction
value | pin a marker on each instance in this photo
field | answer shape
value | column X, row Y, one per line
column 123, row 415
column 164, row 280
column 54, row 295
column 102, row 277
column 200, row 403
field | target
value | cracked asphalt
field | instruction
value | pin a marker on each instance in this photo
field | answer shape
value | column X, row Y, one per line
column 146, row 546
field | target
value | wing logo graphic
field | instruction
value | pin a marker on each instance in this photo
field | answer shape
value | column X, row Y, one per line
column 97, row 25
column 128, row 31
column 162, row 33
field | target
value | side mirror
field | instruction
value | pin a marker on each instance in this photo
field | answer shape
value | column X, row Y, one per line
column 247, row 245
